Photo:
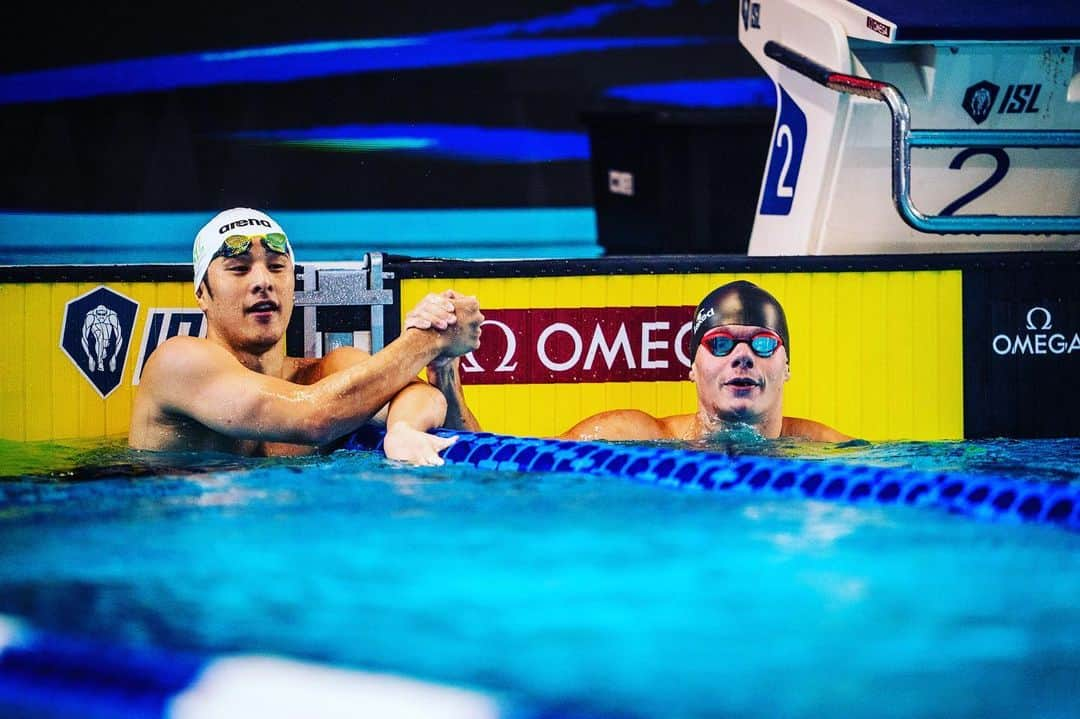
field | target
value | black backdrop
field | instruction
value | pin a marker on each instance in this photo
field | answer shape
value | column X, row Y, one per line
column 174, row 149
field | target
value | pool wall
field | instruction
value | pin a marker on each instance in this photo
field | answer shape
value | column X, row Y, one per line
column 882, row 347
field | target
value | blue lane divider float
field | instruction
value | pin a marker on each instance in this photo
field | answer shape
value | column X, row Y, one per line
column 980, row 496
column 43, row 674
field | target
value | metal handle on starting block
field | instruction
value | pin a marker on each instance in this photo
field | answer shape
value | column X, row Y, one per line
column 344, row 287
column 904, row 138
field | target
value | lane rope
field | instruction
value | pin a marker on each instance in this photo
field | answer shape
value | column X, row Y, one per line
column 991, row 497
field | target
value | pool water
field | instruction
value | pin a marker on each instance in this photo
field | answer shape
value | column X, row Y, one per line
column 604, row 595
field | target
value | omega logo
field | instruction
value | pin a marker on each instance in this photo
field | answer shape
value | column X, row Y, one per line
column 581, row 345
column 1046, row 315
column 469, row 363
column 1036, row 341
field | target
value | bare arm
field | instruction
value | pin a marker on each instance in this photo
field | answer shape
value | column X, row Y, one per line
column 413, row 411
column 446, row 377
column 419, row 406
column 416, row 409
column 198, row 379
column 619, row 424
column 444, row 372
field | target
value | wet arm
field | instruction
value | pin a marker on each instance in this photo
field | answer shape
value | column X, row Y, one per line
column 416, row 409
column 420, row 406
column 207, row 384
column 447, row 378
column 413, row 411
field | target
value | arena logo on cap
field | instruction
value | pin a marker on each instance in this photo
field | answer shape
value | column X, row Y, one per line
column 1037, row 342
column 244, row 223
column 96, row 335
column 163, row 323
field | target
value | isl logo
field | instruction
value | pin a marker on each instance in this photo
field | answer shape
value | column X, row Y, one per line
column 96, row 335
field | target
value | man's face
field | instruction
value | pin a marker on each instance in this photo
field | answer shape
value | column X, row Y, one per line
column 740, row 387
column 252, row 297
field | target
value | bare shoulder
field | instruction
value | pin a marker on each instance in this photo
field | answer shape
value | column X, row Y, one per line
column 160, row 416
column 182, row 356
column 812, row 430
column 177, row 367
column 679, row 426
column 618, row 424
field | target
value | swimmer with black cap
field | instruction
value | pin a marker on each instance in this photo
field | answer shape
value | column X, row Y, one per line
column 236, row 390
column 740, row 364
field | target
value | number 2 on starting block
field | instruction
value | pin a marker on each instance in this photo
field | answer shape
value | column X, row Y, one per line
column 785, row 158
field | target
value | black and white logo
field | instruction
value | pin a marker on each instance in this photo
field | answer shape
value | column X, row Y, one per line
column 621, row 183
column 250, row 222
column 702, row 316
column 751, row 14
column 161, row 324
column 1039, row 318
column 979, row 100
column 96, row 334
column 1039, row 339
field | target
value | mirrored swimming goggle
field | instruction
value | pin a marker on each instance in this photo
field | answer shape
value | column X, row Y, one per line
column 721, row 342
column 239, row 244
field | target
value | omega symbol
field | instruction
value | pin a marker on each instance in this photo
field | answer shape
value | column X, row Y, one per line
column 469, row 363
column 1047, row 320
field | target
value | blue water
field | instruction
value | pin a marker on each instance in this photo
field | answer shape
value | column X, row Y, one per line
column 606, row 595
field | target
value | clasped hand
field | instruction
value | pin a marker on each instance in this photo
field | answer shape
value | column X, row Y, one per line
column 455, row 316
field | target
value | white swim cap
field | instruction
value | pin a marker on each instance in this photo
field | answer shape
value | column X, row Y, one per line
column 237, row 221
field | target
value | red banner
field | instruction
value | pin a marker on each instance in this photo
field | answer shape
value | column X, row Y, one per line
column 587, row 344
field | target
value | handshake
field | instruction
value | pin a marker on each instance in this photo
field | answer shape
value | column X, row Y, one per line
column 455, row 317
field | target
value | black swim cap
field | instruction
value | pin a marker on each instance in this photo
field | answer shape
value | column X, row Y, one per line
column 739, row 303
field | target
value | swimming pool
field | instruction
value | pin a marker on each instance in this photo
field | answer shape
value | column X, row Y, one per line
column 598, row 595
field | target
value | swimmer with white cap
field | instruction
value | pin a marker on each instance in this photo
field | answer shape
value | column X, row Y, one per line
column 237, row 391
column 740, row 364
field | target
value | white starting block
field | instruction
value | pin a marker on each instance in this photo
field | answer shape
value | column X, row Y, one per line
column 908, row 127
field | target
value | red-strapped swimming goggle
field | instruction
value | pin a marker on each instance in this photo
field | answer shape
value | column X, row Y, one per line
column 721, row 342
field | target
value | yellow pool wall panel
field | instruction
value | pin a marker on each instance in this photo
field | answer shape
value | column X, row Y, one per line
column 43, row 395
column 877, row 355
